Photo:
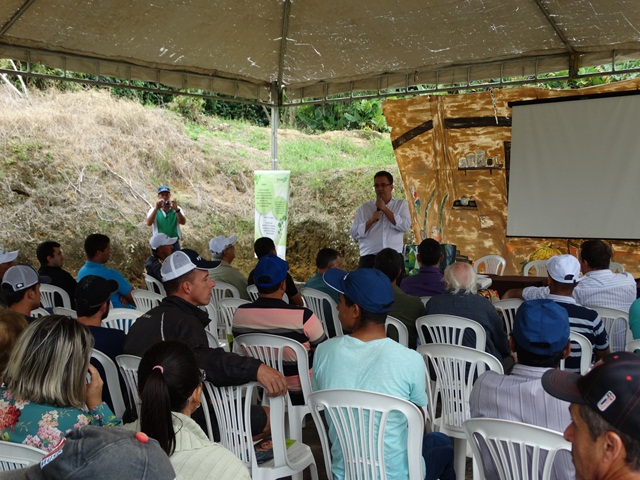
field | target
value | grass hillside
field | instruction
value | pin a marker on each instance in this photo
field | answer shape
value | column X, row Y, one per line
column 85, row 162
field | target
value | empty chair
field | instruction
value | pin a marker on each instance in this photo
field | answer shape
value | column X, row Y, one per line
column 145, row 300
column 318, row 302
column 52, row 296
column 227, row 309
column 515, row 450
column 360, row 419
column 401, row 328
column 121, row 318
column 128, row 365
column 616, row 267
column 65, row 311
column 540, row 267
column 507, row 310
column 232, row 406
column 218, row 292
column 154, row 285
column 450, row 329
column 586, row 351
column 616, row 322
column 490, row 264
column 112, row 379
column 16, row 455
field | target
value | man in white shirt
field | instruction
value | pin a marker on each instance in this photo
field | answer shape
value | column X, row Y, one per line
column 380, row 223
column 599, row 287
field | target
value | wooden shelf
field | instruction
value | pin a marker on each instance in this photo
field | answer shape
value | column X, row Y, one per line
column 491, row 169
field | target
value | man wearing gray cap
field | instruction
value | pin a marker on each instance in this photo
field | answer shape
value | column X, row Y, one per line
column 21, row 289
column 223, row 249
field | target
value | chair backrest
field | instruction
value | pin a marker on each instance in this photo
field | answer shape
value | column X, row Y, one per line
column 586, row 351
column 121, row 318
column 112, row 379
column 633, row 345
column 154, row 285
column 360, row 419
column 403, row 333
column 517, row 450
column 212, row 339
column 228, row 308
column 316, row 302
column 39, row 312
column 455, row 368
column 491, row 264
column 425, row 299
column 65, row 311
column 450, row 329
column 540, row 266
column 48, row 296
column 223, row 290
column 16, row 455
column 128, row 365
column 252, row 290
column 145, row 300
column 616, row 322
column 507, row 310
column 616, row 267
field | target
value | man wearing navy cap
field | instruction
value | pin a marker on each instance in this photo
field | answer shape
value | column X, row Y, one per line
column 368, row 360
column 166, row 216
column 605, row 414
column 540, row 339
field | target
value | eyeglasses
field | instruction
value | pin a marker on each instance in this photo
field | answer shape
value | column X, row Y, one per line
column 381, row 185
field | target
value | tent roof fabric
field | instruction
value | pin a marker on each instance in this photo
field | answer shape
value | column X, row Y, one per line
column 314, row 49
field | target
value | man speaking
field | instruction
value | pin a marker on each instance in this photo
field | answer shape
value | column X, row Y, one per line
column 380, row 223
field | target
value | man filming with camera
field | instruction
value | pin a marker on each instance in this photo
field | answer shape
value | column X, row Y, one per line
column 167, row 216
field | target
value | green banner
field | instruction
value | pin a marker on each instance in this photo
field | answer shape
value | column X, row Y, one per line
column 272, row 206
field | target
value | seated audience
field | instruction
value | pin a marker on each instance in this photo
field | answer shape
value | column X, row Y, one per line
column 270, row 314
column 325, row 259
column 540, row 340
column 51, row 262
column 46, row 387
column 368, row 360
column 405, row 308
column 11, row 326
column 428, row 281
column 223, row 250
column 605, row 416
column 21, row 289
column 161, row 248
column 461, row 300
column 170, row 385
column 98, row 250
column 265, row 246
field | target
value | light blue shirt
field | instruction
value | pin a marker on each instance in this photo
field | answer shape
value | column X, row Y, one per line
column 99, row 270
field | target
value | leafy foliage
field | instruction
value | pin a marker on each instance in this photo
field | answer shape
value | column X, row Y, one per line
column 354, row 115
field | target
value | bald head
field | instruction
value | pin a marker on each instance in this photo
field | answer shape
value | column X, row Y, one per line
column 460, row 277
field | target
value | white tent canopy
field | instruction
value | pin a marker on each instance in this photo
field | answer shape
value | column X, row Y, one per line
column 255, row 50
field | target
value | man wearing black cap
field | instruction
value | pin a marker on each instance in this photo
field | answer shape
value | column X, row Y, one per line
column 605, row 414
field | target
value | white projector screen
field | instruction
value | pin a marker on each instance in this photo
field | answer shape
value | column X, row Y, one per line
column 575, row 169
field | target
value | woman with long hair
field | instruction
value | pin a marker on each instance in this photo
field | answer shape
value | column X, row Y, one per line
column 46, row 386
column 170, row 385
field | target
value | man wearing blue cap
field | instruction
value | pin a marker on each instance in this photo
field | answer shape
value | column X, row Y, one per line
column 540, row 339
column 166, row 216
column 368, row 360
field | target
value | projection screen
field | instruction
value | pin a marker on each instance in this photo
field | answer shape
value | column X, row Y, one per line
column 575, row 168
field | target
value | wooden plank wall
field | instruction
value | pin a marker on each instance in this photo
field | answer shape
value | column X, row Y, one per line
column 431, row 133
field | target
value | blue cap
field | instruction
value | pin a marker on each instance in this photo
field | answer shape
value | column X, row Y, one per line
column 368, row 288
column 270, row 271
column 163, row 188
column 541, row 327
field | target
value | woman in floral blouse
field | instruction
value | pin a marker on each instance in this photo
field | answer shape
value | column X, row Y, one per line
column 46, row 387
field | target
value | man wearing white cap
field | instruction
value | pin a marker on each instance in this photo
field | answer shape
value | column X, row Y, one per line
column 222, row 248
column 563, row 272
column 161, row 248
column 21, row 289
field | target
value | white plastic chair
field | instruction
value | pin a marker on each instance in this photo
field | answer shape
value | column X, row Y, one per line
column 65, row 311
column 112, row 379
column 154, row 285
column 276, row 351
column 121, row 318
column 128, row 365
column 540, row 266
column 507, row 310
column 456, row 368
column 616, row 322
column 450, row 329
column 315, row 300
column 425, row 299
column 403, row 333
column 16, row 455
column 633, row 345
column 586, row 351
column 493, row 265
column 228, row 308
column 516, row 450
column 39, row 312
column 145, row 300
column 616, row 267
column 48, row 296
column 360, row 419
column 215, row 342
column 252, row 290
column 232, row 407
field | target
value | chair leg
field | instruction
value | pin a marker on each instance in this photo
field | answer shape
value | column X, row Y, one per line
column 460, row 457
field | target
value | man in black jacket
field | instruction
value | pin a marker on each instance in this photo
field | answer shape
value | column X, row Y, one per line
column 51, row 261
